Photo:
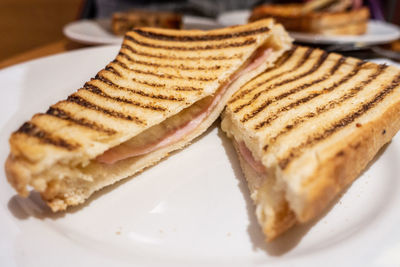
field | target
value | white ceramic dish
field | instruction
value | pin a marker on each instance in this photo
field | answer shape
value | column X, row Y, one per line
column 99, row 31
column 191, row 209
column 89, row 31
column 378, row 32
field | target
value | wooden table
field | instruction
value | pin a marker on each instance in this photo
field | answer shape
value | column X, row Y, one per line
column 50, row 49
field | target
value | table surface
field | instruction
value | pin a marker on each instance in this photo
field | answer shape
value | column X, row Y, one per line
column 56, row 47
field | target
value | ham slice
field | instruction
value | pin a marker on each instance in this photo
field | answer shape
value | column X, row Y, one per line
column 248, row 157
column 171, row 135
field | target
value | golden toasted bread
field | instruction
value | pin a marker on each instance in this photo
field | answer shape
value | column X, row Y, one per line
column 123, row 22
column 311, row 124
column 293, row 18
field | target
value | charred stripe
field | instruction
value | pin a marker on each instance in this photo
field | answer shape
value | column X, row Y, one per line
column 158, row 65
column 246, row 42
column 164, row 75
column 33, row 130
column 186, row 88
column 84, row 103
column 61, row 114
column 112, row 69
column 137, row 92
column 163, row 85
column 199, row 38
column 171, row 57
column 158, row 85
column 100, row 92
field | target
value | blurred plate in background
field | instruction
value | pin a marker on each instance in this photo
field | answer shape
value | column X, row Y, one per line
column 234, row 17
column 99, row 31
column 379, row 32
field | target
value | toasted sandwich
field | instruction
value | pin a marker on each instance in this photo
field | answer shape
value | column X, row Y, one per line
column 125, row 21
column 306, row 128
column 337, row 18
column 164, row 88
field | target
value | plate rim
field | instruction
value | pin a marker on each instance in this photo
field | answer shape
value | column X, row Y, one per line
column 95, row 40
column 60, row 54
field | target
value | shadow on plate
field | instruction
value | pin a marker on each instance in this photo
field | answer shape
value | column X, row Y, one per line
column 290, row 239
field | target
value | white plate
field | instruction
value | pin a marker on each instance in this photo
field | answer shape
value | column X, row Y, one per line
column 99, row 31
column 378, row 32
column 191, row 209
column 91, row 32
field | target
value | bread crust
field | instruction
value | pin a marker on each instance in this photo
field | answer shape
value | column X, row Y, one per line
column 274, row 216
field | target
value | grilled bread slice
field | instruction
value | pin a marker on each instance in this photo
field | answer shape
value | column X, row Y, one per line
column 293, row 18
column 125, row 21
column 307, row 127
column 164, row 88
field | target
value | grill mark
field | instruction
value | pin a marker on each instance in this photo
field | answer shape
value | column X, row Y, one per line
column 284, row 58
column 33, row 130
column 113, row 70
column 158, row 85
column 297, row 151
column 84, row 103
column 61, row 114
column 254, row 87
column 98, row 91
column 337, row 65
column 309, row 97
column 164, row 75
column 180, row 67
column 197, row 38
column 163, row 85
column 280, row 62
column 246, row 42
column 186, row 88
column 313, row 69
column 161, row 56
column 137, row 92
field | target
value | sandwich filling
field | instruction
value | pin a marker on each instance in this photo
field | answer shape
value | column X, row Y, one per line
column 246, row 154
column 176, row 127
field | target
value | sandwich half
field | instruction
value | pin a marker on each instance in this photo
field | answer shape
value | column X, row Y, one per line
column 306, row 128
column 338, row 18
column 164, row 88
